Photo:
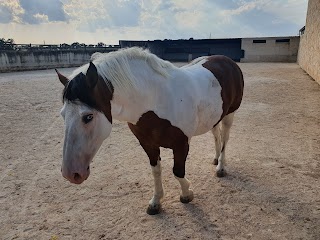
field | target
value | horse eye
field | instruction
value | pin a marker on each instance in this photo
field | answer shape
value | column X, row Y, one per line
column 87, row 118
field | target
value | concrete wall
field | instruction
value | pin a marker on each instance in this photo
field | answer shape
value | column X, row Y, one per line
column 270, row 49
column 309, row 52
column 34, row 60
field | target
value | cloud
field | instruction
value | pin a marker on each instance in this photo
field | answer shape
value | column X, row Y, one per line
column 35, row 8
column 31, row 11
column 266, row 17
column 111, row 20
column 98, row 14
column 41, row 18
column 180, row 19
column 287, row 10
column 245, row 7
column 5, row 15
column 10, row 11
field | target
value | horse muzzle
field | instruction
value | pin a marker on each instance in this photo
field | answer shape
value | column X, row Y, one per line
column 76, row 177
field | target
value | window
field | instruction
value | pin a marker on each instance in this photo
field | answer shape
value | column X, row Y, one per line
column 284, row 40
column 259, row 41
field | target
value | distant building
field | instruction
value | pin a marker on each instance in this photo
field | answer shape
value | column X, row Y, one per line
column 268, row 49
column 186, row 50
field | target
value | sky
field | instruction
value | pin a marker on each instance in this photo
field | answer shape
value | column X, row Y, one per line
column 108, row 21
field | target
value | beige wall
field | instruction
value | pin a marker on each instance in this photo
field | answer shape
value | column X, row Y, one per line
column 271, row 50
column 309, row 52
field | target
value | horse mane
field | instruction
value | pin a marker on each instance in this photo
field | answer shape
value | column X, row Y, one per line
column 114, row 66
column 195, row 61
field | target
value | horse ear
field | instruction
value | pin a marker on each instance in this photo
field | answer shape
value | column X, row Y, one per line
column 62, row 78
column 92, row 76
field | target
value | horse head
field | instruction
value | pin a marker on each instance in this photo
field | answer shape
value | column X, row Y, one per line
column 88, row 121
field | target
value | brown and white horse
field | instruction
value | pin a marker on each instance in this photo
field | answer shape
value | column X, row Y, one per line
column 164, row 106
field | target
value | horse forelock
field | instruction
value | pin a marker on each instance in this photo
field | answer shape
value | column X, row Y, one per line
column 77, row 91
column 98, row 98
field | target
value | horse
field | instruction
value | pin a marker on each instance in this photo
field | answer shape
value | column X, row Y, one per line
column 164, row 106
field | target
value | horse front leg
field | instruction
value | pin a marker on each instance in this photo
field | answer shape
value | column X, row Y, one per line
column 155, row 162
column 180, row 155
column 153, row 153
column 155, row 202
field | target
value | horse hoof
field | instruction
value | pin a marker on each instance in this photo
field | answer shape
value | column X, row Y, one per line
column 221, row 173
column 186, row 199
column 153, row 210
column 215, row 161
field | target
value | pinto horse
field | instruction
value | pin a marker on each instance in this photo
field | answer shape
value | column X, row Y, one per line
column 165, row 106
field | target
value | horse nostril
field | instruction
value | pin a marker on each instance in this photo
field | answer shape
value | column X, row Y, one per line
column 76, row 176
column 88, row 168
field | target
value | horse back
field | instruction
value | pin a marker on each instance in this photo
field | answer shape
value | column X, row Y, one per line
column 230, row 78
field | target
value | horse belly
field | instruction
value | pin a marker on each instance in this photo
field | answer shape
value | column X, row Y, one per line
column 209, row 112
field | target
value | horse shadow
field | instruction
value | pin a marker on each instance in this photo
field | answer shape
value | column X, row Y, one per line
column 194, row 218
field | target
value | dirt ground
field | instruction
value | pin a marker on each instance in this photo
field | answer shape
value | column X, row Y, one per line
column 272, row 190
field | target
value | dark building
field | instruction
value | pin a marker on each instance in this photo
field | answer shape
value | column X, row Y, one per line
column 186, row 50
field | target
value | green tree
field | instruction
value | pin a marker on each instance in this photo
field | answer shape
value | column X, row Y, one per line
column 6, row 44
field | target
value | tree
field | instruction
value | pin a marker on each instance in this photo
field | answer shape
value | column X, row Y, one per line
column 75, row 45
column 10, row 41
column 101, row 44
column 6, row 44
column 64, row 45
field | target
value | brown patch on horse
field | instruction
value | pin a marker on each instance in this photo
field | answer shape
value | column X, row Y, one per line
column 103, row 96
column 154, row 132
column 230, row 78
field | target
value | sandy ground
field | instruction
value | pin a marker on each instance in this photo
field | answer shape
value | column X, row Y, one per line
column 272, row 190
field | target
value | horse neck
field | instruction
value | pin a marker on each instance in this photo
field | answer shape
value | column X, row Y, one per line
column 129, row 104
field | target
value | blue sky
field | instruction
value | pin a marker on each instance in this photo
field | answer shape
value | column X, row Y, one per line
column 93, row 21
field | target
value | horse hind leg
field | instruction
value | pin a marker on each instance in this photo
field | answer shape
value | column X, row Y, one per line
column 217, row 140
column 226, row 124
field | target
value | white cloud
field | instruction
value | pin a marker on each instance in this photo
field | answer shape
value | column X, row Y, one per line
column 244, row 7
column 41, row 18
column 12, row 10
column 188, row 4
column 293, row 11
column 99, row 14
column 288, row 10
